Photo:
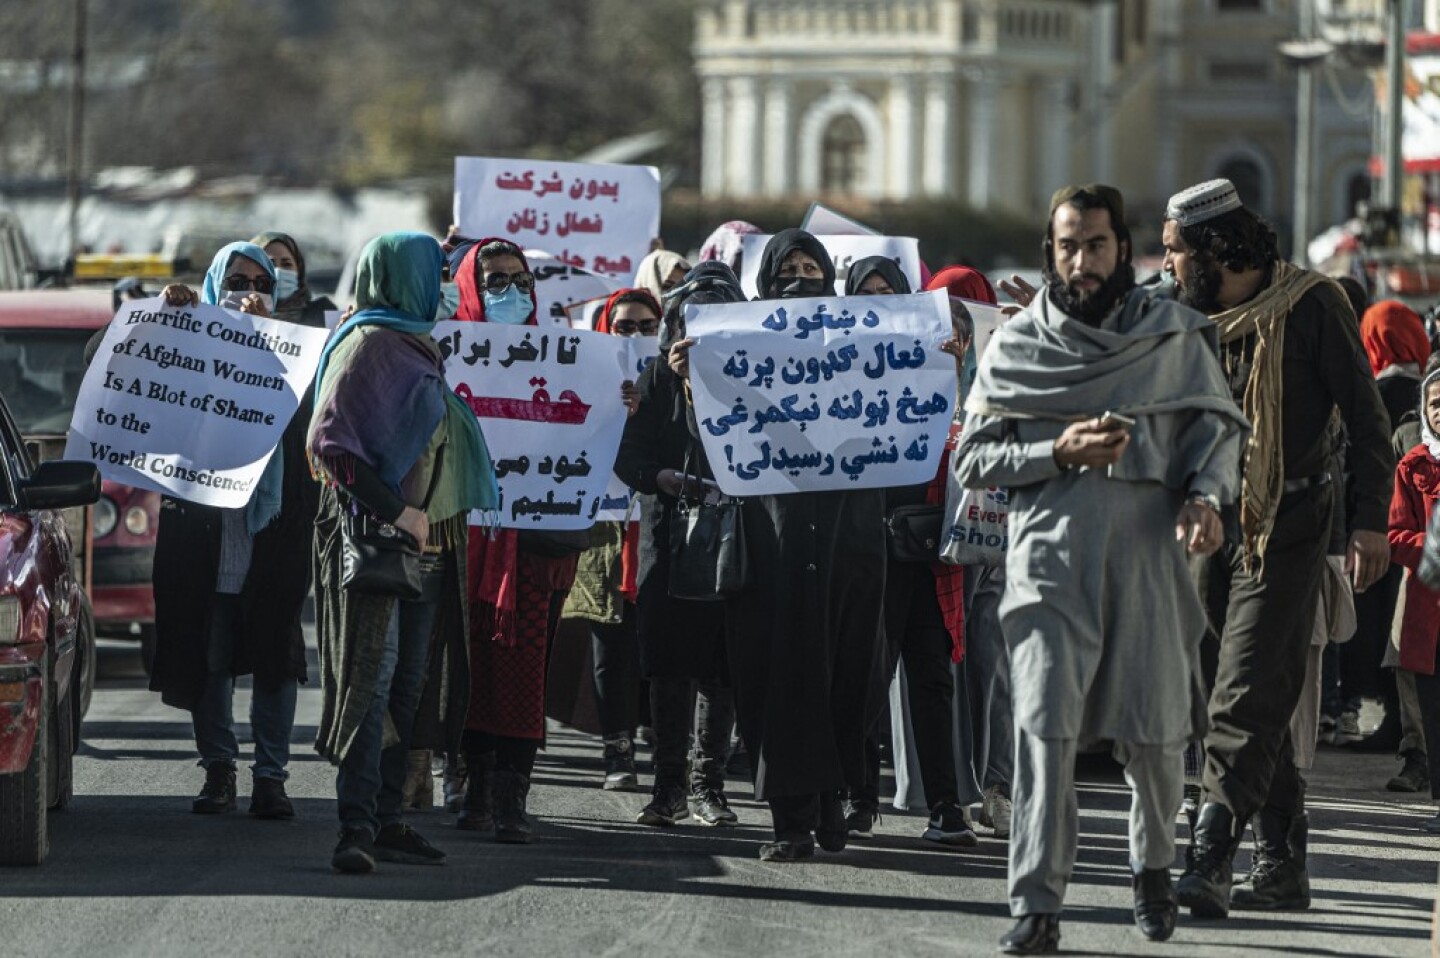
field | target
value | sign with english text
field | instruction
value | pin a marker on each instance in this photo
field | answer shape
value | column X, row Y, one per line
column 549, row 404
column 191, row 401
column 803, row 395
column 844, row 250
column 598, row 217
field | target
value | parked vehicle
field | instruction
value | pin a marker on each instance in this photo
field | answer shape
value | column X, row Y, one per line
column 42, row 342
column 47, row 643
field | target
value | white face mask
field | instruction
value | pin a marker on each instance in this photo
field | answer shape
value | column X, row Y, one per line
column 287, row 281
column 234, row 298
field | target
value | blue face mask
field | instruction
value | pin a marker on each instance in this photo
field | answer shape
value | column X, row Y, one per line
column 287, row 281
column 510, row 308
column 449, row 302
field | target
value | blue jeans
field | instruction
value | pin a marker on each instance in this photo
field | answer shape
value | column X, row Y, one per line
column 371, row 779
column 272, row 712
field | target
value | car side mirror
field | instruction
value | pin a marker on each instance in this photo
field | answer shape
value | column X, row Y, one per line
column 60, row 483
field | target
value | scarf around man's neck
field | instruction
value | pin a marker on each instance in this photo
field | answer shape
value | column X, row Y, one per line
column 1263, row 471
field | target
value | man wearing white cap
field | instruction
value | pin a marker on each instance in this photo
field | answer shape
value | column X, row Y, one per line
column 1292, row 355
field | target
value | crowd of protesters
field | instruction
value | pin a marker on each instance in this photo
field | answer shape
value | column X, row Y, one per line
column 1213, row 556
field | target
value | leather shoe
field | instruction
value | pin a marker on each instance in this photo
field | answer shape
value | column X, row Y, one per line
column 1155, row 906
column 1033, row 935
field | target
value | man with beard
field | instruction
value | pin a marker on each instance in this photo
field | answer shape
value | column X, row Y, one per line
column 1291, row 356
column 1103, row 410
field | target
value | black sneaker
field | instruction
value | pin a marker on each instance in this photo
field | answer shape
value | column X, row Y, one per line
column 268, row 800
column 1414, row 775
column 710, row 808
column 355, row 853
column 218, row 795
column 403, row 844
column 667, row 807
column 620, row 766
column 949, row 825
column 787, row 851
column 860, row 818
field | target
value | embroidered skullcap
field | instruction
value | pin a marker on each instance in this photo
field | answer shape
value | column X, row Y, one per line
column 1203, row 202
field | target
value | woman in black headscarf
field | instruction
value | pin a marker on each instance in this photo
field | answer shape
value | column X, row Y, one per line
column 804, row 641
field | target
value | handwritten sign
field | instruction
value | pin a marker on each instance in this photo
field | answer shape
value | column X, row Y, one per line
column 191, row 401
column 844, row 250
column 813, row 394
column 598, row 217
column 548, row 401
column 560, row 288
column 987, row 319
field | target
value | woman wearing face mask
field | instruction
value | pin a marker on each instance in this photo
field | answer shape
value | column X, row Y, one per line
column 805, row 642
column 293, row 301
column 516, row 595
column 682, row 643
column 230, row 585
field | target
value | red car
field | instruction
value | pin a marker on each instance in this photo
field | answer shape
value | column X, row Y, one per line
column 47, row 650
column 42, row 342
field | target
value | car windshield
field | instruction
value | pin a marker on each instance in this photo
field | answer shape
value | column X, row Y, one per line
column 40, row 374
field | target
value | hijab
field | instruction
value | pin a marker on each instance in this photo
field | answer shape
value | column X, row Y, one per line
column 727, row 243
column 472, row 290
column 781, row 245
column 709, row 282
column 862, row 269
column 295, row 302
column 964, row 282
column 656, row 268
column 1427, row 434
column 213, row 289
column 1394, row 336
column 633, row 294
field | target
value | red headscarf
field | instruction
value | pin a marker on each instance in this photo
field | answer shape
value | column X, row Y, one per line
column 1393, row 335
column 964, row 282
column 467, row 281
column 632, row 294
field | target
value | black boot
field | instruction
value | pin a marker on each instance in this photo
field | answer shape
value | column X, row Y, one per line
column 1033, row 935
column 511, row 789
column 1278, row 880
column 1204, row 888
column 478, row 812
column 1155, row 907
column 830, row 831
column 218, row 794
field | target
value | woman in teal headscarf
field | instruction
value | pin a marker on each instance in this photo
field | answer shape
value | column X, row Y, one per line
column 230, row 585
column 384, row 422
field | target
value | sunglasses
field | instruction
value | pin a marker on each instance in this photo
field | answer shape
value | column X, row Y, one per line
column 240, row 284
column 629, row 327
column 500, row 282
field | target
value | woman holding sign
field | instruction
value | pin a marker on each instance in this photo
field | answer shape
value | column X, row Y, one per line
column 230, row 585
column 394, row 445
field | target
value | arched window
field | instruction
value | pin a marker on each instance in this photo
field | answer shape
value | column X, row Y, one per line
column 843, row 156
column 1249, row 181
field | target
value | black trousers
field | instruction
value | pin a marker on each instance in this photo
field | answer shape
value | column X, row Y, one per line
column 615, row 649
column 674, row 704
column 511, row 754
column 1264, row 619
column 915, row 634
column 1427, row 690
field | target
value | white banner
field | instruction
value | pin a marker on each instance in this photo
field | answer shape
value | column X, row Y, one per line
column 560, row 287
column 987, row 319
column 599, row 217
column 844, row 250
column 822, row 219
column 549, row 404
column 191, row 401
column 813, row 394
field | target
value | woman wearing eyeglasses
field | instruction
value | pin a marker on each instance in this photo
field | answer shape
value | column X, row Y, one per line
column 516, row 594
column 230, row 585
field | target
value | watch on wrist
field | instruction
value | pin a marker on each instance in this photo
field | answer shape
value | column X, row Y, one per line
column 1205, row 499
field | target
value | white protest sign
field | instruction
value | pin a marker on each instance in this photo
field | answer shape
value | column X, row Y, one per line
column 559, row 287
column 987, row 319
column 599, row 217
column 843, row 250
column 615, row 502
column 811, row 394
column 549, row 404
column 191, row 401
column 822, row 219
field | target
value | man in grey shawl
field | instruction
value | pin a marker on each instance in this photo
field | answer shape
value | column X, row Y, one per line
column 1103, row 410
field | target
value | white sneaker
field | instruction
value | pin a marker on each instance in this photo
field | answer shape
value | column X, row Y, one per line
column 996, row 811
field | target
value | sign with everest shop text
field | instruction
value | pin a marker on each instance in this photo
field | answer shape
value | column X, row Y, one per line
column 803, row 395
column 548, row 400
column 598, row 217
column 191, row 401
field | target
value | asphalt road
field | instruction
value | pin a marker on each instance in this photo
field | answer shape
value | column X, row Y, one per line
column 133, row 873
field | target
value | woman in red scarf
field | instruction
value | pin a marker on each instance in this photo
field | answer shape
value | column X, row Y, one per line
column 515, row 593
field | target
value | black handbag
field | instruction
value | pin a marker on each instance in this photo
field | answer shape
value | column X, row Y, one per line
column 378, row 557
column 708, row 561
column 913, row 533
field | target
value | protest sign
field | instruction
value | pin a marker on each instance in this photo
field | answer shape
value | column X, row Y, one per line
column 843, row 250
column 821, row 219
column 191, row 401
column 987, row 319
column 559, row 287
column 812, row 394
column 549, row 404
column 599, row 217
column 615, row 503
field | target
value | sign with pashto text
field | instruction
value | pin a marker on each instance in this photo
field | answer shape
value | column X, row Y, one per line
column 548, row 401
column 191, row 401
column 844, row 250
column 803, row 395
column 598, row 217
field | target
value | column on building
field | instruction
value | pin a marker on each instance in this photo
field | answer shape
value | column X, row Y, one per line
column 743, row 134
column 778, row 137
column 984, row 92
column 900, row 163
column 936, row 173
column 1053, row 125
column 1102, row 79
column 712, row 137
